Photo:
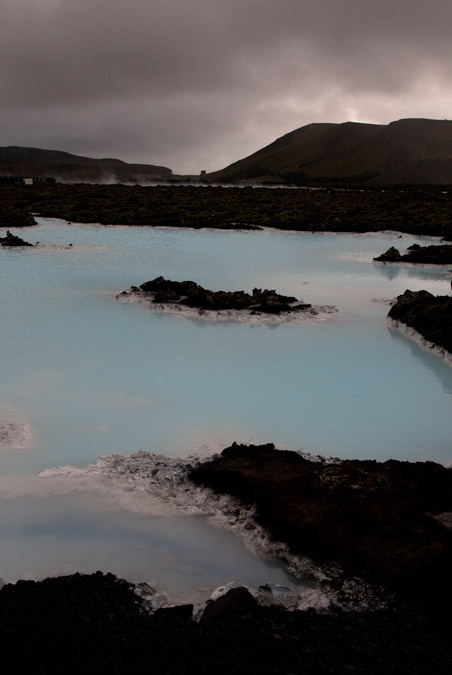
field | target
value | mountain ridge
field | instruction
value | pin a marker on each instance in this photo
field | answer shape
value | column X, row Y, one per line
column 66, row 167
column 411, row 150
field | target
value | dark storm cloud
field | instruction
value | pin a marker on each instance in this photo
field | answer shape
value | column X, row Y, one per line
column 200, row 83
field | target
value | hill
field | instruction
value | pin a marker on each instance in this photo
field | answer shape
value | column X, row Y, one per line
column 407, row 151
column 67, row 168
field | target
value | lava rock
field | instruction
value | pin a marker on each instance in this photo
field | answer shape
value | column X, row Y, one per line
column 190, row 294
column 427, row 314
column 94, row 624
column 373, row 520
column 234, row 603
column 391, row 255
column 438, row 254
column 11, row 240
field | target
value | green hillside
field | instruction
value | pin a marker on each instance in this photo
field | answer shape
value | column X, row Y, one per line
column 406, row 151
column 64, row 167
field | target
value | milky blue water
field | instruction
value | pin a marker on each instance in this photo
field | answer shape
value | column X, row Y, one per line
column 93, row 376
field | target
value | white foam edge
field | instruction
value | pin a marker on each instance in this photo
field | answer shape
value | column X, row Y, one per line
column 315, row 313
column 41, row 220
column 159, row 485
column 421, row 340
column 71, row 247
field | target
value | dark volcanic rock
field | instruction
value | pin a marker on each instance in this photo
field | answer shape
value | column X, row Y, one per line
column 375, row 519
column 181, row 611
column 235, row 603
column 419, row 211
column 11, row 240
column 160, row 284
column 372, row 519
column 14, row 216
column 440, row 254
column 190, row 294
column 391, row 255
column 429, row 315
column 167, row 296
column 93, row 624
column 239, row 226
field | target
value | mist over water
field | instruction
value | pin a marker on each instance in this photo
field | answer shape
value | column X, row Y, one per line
column 92, row 376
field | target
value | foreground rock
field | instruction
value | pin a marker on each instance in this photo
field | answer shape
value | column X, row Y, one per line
column 373, row 520
column 440, row 254
column 161, row 291
column 95, row 624
column 427, row 314
column 385, row 522
column 11, row 240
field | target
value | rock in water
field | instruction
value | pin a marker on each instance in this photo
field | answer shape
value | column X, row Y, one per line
column 391, row 255
column 190, row 294
column 438, row 254
column 427, row 314
column 11, row 240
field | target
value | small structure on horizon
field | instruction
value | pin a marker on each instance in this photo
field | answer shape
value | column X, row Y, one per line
column 20, row 180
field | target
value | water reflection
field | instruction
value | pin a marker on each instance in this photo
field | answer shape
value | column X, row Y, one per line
column 425, row 357
column 387, row 270
column 418, row 272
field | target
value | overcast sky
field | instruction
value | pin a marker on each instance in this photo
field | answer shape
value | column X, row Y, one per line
column 198, row 84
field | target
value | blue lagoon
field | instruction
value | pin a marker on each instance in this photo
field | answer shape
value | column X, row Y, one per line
column 89, row 376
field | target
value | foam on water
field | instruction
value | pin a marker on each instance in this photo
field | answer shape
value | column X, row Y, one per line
column 14, row 435
column 159, row 485
column 67, row 522
column 69, row 247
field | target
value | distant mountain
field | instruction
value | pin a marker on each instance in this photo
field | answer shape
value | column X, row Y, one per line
column 407, row 151
column 67, row 168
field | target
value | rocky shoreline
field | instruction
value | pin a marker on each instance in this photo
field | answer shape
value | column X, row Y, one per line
column 416, row 210
column 189, row 295
column 388, row 523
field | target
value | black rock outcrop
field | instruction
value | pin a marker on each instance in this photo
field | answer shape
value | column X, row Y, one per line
column 190, row 294
column 374, row 520
column 11, row 240
column 438, row 254
column 13, row 213
column 93, row 624
column 427, row 314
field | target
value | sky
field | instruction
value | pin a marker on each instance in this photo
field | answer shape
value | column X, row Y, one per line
column 198, row 84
